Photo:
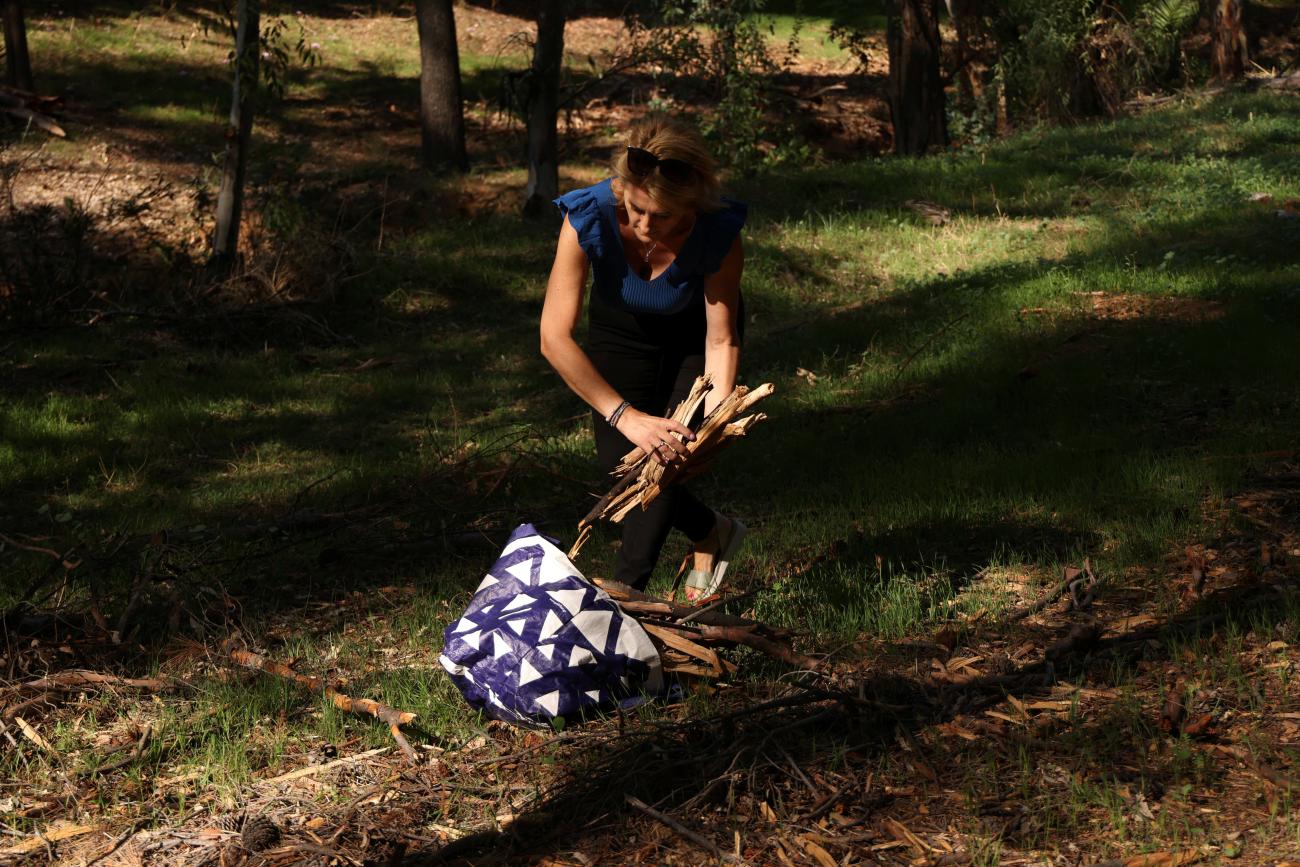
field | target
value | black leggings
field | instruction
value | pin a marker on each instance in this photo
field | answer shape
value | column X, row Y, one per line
column 654, row 382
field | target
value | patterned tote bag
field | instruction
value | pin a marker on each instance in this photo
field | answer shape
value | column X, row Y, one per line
column 539, row 641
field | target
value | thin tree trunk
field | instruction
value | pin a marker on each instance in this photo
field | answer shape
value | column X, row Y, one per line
column 230, row 199
column 915, row 85
column 543, row 104
column 442, row 119
column 966, row 25
column 18, row 64
column 1228, row 55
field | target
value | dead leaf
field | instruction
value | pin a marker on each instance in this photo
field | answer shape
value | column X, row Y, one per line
column 1198, row 726
column 32, row 734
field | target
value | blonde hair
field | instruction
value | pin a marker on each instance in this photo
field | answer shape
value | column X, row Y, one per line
column 669, row 138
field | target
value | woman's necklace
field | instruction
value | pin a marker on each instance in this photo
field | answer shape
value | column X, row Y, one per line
column 645, row 268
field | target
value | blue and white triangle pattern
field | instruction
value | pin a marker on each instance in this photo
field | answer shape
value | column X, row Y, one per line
column 539, row 641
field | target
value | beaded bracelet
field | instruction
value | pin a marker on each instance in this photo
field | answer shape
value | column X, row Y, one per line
column 613, row 417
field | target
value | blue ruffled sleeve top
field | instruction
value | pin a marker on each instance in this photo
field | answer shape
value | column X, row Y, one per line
column 592, row 213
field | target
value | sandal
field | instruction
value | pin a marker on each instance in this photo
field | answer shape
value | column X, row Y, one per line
column 706, row 582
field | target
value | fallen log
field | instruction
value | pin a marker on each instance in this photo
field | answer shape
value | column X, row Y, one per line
column 391, row 717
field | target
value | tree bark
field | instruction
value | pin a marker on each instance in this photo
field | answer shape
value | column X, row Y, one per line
column 966, row 26
column 442, row 118
column 1228, row 52
column 542, row 105
column 230, row 199
column 18, row 64
column 915, row 85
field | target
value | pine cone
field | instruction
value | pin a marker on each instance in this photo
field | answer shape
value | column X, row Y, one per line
column 259, row 833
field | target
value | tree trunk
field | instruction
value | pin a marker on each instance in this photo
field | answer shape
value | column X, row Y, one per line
column 442, row 119
column 915, row 86
column 543, row 103
column 966, row 25
column 18, row 64
column 1228, row 53
column 230, row 199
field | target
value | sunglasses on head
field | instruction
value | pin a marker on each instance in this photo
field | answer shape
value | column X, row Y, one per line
column 641, row 162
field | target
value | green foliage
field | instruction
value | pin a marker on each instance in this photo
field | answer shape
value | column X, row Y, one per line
column 283, row 52
column 855, row 40
column 280, row 52
column 1065, row 58
column 724, row 45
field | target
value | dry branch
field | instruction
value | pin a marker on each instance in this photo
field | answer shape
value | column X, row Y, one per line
column 641, row 480
column 79, row 677
column 681, row 830
column 129, row 758
column 23, row 105
column 40, row 840
column 313, row 770
column 67, row 681
column 694, row 631
column 391, row 717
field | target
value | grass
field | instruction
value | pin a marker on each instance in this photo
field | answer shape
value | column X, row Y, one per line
column 1096, row 346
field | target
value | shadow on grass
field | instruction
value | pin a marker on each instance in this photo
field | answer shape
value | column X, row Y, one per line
column 857, row 744
column 1004, row 437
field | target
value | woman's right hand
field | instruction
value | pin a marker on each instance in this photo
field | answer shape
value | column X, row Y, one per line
column 657, row 437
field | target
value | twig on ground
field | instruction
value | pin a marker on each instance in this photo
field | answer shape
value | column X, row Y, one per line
column 63, row 559
column 392, row 717
column 313, row 770
column 80, row 677
column 907, row 362
column 130, row 758
column 42, row 839
column 681, row 830
column 1080, row 583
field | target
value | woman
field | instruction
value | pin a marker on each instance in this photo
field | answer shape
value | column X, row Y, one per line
column 665, row 256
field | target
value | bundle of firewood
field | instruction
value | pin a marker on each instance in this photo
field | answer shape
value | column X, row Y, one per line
column 641, row 479
column 688, row 637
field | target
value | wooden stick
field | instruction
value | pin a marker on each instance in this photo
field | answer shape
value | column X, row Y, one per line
column 44, row 838
column 80, row 677
column 313, row 770
column 392, row 717
column 620, row 593
column 758, row 642
column 902, row 368
column 133, row 756
column 681, row 830
column 642, row 480
column 685, row 645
